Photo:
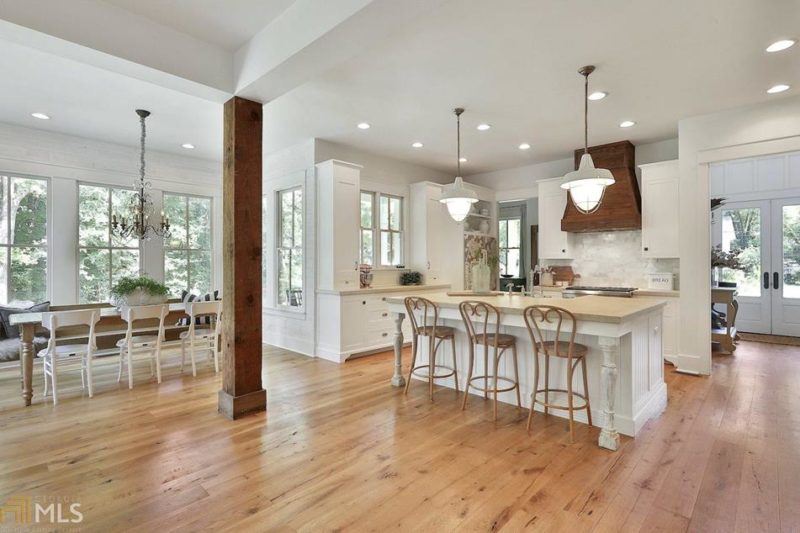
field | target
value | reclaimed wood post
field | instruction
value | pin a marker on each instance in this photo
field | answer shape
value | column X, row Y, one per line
column 242, row 391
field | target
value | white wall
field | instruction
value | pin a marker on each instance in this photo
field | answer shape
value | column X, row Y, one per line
column 771, row 127
column 68, row 160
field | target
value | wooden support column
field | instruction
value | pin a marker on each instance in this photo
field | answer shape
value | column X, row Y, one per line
column 242, row 391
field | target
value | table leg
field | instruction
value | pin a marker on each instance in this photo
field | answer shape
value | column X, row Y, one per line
column 26, row 360
column 609, row 438
column 397, row 379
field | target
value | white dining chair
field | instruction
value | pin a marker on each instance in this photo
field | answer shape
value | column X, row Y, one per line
column 54, row 356
column 131, row 344
column 205, row 336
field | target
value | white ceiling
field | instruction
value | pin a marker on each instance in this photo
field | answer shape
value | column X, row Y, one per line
column 226, row 23
column 511, row 63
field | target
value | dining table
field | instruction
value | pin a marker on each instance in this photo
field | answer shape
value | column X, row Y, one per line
column 110, row 323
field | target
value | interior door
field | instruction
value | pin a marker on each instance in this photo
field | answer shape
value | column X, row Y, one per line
column 785, row 274
column 746, row 226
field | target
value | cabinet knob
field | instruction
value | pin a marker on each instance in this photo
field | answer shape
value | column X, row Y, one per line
column 563, row 250
column 363, row 302
column 384, row 334
column 384, row 314
column 646, row 248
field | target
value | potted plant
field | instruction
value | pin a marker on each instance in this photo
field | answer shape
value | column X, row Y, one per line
column 138, row 291
column 410, row 278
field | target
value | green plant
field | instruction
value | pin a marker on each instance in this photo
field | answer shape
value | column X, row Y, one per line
column 127, row 285
column 410, row 278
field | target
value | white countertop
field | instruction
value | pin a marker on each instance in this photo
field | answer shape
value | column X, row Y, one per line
column 386, row 288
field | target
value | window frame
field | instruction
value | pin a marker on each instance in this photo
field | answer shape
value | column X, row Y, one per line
column 110, row 246
column 377, row 230
column 165, row 247
column 503, row 250
column 371, row 228
column 279, row 247
column 46, row 246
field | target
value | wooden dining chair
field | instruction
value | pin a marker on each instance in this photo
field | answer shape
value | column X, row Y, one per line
column 482, row 321
column 205, row 337
column 564, row 348
column 55, row 355
column 424, row 317
column 150, row 345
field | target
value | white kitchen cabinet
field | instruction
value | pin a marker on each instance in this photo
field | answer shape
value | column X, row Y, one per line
column 553, row 243
column 660, row 209
column 437, row 242
column 358, row 322
column 338, row 187
column 670, row 333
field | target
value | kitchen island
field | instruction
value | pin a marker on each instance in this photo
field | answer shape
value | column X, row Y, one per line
column 625, row 364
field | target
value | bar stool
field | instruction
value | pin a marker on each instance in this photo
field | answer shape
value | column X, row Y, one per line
column 573, row 352
column 482, row 321
column 426, row 326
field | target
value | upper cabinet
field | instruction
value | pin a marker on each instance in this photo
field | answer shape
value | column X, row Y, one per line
column 338, row 186
column 553, row 243
column 660, row 209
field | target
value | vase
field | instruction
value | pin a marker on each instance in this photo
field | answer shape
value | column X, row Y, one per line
column 483, row 227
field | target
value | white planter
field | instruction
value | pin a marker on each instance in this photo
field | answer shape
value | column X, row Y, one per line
column 138, row 297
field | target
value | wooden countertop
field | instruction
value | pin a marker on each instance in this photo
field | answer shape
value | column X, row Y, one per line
column 607, row 309
column 105, row 312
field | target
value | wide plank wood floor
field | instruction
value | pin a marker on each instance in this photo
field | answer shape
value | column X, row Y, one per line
column 339, row 449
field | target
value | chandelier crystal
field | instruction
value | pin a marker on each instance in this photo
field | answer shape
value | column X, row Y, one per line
column 587, row 185
column 137, row 221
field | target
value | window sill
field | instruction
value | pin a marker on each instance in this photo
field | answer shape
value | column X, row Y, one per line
column 390, row 269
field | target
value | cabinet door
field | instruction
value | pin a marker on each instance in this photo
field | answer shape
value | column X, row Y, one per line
column 346, row 223
column 660, row 217
column 553, row 243
column 435, row 226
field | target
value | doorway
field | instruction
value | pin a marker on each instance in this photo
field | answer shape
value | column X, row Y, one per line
column 766, row 235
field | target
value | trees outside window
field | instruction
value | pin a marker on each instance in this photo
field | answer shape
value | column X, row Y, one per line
column 290, row 247
column 187, row 253
column 381, row 229
column 510, row 233
column 23, row 240
column 103, row 257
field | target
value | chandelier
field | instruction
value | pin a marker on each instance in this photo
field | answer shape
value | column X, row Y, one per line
column 458, row 198
column 136, row 222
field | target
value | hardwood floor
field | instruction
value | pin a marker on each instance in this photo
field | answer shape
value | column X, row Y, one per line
column 340, row 449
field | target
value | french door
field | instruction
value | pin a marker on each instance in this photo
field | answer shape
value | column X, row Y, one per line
column 767, row 232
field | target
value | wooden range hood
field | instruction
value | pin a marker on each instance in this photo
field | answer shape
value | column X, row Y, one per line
column 621, row 208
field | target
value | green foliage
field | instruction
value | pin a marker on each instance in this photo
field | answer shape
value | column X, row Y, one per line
column 127, row 285
column 410, row 278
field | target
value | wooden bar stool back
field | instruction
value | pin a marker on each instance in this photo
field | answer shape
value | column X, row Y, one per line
column 564, row 347
column 482, row 321
column 424, row 317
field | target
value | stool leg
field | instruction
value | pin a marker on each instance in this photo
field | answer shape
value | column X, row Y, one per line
column 535, row 386
column 183, row 353
column 516, row 374
column 586, row 390
column 469, row 373
column 431, row 363
column 496, row 368
column 414, row 342
column 485, row 370
column 570, row 368
column 546, row 382
column 119, row 369
column 455, row 364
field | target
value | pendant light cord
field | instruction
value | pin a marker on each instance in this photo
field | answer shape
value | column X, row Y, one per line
column 458, row 141
column 586, row 113
column 141, row 153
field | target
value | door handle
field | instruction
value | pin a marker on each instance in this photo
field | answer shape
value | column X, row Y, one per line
column 766, row 280
column 775, row 280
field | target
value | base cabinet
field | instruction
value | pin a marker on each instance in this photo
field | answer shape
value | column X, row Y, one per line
column 350, row 324
column 670, row 329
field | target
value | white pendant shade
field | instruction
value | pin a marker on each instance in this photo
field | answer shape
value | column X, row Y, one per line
column 587, row 185
column 458, row 199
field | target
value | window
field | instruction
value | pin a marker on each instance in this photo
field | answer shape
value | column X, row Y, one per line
column 23, row 240
column 103, row 257
column 290, row 247
column 187, row 252
column 510, row 233
column 389, row 245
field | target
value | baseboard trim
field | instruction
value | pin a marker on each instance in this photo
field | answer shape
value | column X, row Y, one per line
column 235, row 407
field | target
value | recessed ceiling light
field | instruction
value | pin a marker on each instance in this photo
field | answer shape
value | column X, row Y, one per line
column 524, row 146
column 484, row 127
column 417, row 144
column 463, row 159
column 626, row 124
column 363, row 126
column 778, row 88
column 783, row 44
column 40, row 116
column 188, row 146
column 597, row 95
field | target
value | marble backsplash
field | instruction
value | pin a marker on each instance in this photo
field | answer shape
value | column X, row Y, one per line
column 614, row 259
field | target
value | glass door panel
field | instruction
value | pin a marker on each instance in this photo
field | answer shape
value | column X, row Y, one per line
column 785, row 275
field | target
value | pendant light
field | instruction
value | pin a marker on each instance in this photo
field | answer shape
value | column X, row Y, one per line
column 458, row 198
column 587, row 185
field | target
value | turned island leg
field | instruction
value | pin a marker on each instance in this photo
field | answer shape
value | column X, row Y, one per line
column 26, row 360
column 397, row 379
column 609, row 438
